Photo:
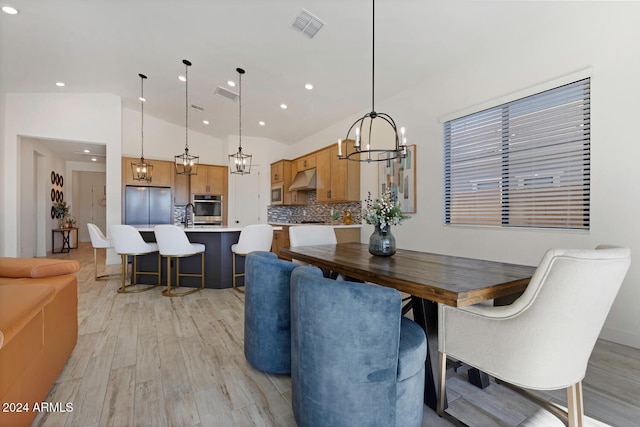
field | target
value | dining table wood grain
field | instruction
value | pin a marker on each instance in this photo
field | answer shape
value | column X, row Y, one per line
column 446, row 279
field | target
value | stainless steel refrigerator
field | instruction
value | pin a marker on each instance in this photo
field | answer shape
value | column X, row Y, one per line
column 147, row 205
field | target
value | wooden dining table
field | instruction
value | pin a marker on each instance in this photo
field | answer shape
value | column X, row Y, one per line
column 430, row 279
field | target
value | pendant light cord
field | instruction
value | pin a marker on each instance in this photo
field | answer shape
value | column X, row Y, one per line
column 186, row 104
column 142, row 77
column 240, row 110
column 373, row 57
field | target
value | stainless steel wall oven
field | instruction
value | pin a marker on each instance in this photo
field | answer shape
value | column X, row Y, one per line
column 207, row 209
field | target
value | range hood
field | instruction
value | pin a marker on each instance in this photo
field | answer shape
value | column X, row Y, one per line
column 304, row 180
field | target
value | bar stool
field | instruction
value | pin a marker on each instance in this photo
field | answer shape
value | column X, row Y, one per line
column 99, row 241
column 174, row 243
column 256, row 237
column 127, row 241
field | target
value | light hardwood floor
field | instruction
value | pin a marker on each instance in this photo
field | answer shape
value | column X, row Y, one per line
column 147, row 360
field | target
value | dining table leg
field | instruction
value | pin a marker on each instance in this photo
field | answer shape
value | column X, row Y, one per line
column 425, row 314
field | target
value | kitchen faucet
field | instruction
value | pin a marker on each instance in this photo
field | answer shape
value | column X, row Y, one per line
column 186, row 214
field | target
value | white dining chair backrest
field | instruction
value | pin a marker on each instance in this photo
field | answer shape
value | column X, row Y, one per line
column 255, row 237
column 308, row 235
column 173, row 241
column 542, row 340
column 98, row 240
column 127, row 240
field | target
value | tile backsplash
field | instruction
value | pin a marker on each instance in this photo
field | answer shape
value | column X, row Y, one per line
column 313, row 211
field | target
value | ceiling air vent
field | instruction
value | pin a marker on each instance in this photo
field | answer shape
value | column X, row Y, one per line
column 307, row 23
column 226, row 93
column 197, row 107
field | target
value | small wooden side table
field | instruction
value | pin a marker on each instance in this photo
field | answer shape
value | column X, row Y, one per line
column 66, row 239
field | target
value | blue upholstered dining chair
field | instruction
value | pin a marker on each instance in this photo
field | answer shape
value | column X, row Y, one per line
column 267, row 320
column 355, row 361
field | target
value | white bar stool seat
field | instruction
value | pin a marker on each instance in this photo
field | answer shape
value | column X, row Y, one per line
column 99, row 241
column 127, row 241
column 256, row 237
column 174, row 243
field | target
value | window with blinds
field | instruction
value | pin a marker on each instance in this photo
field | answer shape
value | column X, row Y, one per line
column 525, row 163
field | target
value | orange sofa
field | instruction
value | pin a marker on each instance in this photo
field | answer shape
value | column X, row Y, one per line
column 38, row 332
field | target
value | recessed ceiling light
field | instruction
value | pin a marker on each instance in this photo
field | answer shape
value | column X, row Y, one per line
column 93, row 159
column 231, row 83
column 60, row 84
column 182, row 78
column 308, row 86
column 86, row 151
column 261, row 123
column 142, row 99
column 9, row 10
column 206, row 122
column 283, row 106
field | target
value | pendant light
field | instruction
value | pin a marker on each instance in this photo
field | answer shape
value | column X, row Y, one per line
column 356, row 152
column 142, row 170
column 186, row 164
column 240, row 163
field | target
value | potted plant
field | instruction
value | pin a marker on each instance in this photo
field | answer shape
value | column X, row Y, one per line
column 61, row 211
column 382, row 213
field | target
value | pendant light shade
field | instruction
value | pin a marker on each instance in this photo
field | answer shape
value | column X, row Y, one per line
column 240, row 162
column 363, row 148
column 142, row 170
column 186, row 163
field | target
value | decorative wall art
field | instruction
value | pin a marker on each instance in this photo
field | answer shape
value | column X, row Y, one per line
column 399, row 176
column 57, row 195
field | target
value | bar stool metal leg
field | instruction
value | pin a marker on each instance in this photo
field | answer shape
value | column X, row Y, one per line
column 236, row 275
column 170, row 291
column 134, row 276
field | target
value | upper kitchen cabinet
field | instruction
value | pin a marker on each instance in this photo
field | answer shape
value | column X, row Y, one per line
column 181, row 193
column 162, row 175
column 337, row 180
column 211, row 179
column 303, row 163
column 281, row 171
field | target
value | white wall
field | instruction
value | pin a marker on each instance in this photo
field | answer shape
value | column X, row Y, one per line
column 94, row 118
column 599, row 38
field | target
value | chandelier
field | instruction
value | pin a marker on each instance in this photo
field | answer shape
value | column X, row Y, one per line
column 142, row 170
column 186, row 163
column 240, row 163
column 365, row 151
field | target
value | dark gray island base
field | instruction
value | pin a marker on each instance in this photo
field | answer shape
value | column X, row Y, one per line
column 217, row 258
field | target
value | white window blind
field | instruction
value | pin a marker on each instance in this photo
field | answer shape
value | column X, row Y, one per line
column 525, row 163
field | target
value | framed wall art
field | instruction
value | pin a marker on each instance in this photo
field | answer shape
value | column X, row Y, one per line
column 399, row 176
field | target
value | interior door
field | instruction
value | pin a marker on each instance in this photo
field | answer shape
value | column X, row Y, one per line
column 98, row 209
column 246, row 199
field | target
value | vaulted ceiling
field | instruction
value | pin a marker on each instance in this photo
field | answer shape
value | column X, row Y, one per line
column 100, row 46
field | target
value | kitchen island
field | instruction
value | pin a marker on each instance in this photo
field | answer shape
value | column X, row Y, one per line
column 217, row 239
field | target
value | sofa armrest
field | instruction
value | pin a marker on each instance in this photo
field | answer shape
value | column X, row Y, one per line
column 36, row 267
column 18, row 307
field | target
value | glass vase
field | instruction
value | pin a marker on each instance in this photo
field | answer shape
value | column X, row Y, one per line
column 382, row 242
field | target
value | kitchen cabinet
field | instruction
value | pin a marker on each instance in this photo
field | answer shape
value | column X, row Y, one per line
column 278, row 170
column 337, row 180
column 181, row 193
column 305, row 162
column 280, row 240
column 162, row 175
column 211, row 179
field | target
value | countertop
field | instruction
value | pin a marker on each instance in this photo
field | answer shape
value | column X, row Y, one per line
column 288, row 224
column 203, row 228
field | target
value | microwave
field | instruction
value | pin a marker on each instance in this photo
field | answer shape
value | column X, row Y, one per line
column 207, row 209
column 277, row 194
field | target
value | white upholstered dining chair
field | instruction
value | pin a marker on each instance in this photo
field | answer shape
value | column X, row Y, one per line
column 255, row 237
column 308, row 235
column 544, row 339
